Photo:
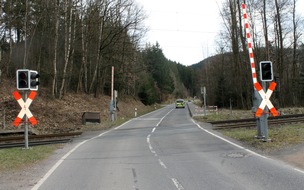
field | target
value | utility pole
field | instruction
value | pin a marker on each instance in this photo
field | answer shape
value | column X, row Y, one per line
column 112, row 103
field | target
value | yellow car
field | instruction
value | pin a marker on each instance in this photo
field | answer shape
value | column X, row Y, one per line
column 180, row 103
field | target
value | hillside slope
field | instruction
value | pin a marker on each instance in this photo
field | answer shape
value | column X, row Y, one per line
column 55, row 116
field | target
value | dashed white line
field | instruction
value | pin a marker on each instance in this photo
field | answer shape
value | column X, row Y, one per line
column 162, row 163
column 153, row 129
column 177, row 184
column 175, row 181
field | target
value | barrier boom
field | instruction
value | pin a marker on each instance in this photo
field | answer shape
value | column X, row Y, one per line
column 256, row 84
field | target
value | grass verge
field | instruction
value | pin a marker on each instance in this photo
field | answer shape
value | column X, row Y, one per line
column 17, row 158
column 281, row 137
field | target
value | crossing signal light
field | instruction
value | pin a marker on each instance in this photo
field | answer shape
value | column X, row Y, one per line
column 23, row 79
column 34, row 80
column 266, row 71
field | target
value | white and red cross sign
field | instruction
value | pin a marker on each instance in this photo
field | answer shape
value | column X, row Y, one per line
column 25, row 108
column 265, row 100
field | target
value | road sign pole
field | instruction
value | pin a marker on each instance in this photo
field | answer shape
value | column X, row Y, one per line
column 112, row 106
column 205, row 101
column 264, row 117
column 256, row 102
column 26, row 143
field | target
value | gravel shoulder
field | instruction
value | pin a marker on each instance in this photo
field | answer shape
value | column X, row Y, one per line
column 292, row 155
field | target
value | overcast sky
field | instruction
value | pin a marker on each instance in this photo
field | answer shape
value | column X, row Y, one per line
column 185, row 30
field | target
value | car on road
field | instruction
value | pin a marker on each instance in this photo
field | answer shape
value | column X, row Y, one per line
column 180, row 103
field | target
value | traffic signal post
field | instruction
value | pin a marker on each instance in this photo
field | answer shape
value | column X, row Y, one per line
column 264, row 119
column 26, row 80
column 266, row 75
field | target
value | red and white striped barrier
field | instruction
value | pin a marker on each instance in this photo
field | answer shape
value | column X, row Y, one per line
column 257, row 85
column 213, row 109
column 24, row 108
column 198, row 110
column 250, row 46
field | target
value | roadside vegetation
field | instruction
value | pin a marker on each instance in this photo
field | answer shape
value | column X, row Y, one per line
column 18, row 158
column 281, row 136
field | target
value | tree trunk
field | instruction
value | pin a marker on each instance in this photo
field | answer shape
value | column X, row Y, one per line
column 25, row 36
column 264, row 20
column 294, row 55
column 280, row 47
column 83, row 74
column 99, row 56
column 54, row 86
column 68, row 39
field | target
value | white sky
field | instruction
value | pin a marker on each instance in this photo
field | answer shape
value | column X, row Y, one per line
column 185, row 30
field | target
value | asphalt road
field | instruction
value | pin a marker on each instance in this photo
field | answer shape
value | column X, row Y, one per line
column 166, row 150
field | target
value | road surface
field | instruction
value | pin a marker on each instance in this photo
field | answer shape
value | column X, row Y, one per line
column 166, row 150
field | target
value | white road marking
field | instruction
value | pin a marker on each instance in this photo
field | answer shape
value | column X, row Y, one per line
column 153, row 129
column 162, row 163
column 298, row 170
column 146, row 119
column 175, row 181
column 226, row 140
column 238, row 146
column 49, row 173
column 177, row 184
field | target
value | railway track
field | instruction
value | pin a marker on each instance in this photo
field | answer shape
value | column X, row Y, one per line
column 35, row 140
column 247, row 123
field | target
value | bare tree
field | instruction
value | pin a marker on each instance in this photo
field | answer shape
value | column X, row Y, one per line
column 83, row 74
column 100, row 36
column 68, row 41
column 56, row 16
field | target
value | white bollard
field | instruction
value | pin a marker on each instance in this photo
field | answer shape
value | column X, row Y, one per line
column 135, row 112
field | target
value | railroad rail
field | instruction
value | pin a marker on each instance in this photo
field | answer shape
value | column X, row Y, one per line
column 35, row 140
column 251, row 122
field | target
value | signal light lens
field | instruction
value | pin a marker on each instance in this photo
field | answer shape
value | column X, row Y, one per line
column 266, row 71
column 22, row 79
column 34, row 80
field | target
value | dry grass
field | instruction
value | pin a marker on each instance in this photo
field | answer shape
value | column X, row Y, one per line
column 280, row 137
column 17, row 158
column 226, row 114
